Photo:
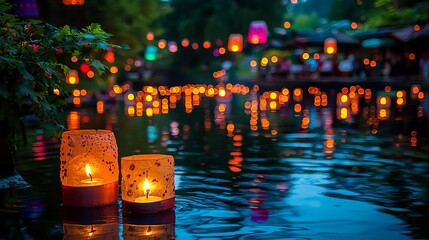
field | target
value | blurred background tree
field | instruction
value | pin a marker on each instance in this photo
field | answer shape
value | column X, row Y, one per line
column 388, row 13
column 128, row 21
column 214, row 20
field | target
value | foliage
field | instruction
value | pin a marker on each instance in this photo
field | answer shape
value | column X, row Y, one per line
column 355, row 11
column 30, row 67
column 216, row 19
column 388, row 13
column 306, row 21
column 128, row 21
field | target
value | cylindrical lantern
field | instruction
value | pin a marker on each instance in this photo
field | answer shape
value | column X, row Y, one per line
column 235, row 42
column 72, row 77
column 149, row 226
column 258, row 32
column 89, row 168
column 147, row 183
column 330, row 46
column 150, row 53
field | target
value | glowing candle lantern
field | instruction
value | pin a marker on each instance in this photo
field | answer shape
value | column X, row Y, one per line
column 89, row 168
column 343, row 100
column 258, row 32
column 147, row 183
column 383, row 102
column 72, row 77
column 330, row 46
column 235, row 42
column 73, row 2
column 151, row 52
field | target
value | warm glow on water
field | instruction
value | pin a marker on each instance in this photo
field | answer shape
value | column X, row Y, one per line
column 256, row 163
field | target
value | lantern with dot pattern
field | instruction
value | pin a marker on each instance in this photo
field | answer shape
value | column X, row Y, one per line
column 147, row 183
column 89, row 168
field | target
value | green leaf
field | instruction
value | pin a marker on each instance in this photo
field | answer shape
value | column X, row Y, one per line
column 88, row 36
column 24, row 90
column 99, row 66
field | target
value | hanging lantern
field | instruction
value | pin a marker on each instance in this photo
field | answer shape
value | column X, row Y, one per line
column 89, row 168
column 72, row 77
column 26, row 9
column 73, row 2
column 147, row 183
column 258, row 32
column 330, row 46
column 235, row 42
column 150, row 53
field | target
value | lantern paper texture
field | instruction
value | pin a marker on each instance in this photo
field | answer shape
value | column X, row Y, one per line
column 88, row 157
column 235, row 42
column 148, row 179
column 258, row 32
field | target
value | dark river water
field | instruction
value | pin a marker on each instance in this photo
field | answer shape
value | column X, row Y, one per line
column 298, row 163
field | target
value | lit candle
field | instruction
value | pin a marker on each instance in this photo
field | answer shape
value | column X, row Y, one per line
column 89, row 168
column 147, row 198
column 88, row 172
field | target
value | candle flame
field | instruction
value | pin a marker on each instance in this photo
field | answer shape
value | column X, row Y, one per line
column 88, row 171
column 146, row 187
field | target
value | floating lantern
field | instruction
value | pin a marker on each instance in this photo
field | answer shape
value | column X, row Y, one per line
column 235, row 42
column 149, row 226
column 330, row 46
column 89, row 168
column 343, row 100
column 151, row 52
column 26, row 9
column 383, row 102
column 72, row 77
column 147, row 183
column 73, row 2
column 258, row 32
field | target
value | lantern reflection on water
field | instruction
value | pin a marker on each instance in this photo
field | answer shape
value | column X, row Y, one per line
column 89, row 168
column 149, row 226
column 93, row 223
column 147, row 183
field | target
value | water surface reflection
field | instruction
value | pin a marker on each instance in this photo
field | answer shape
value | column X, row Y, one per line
column 295, row 163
